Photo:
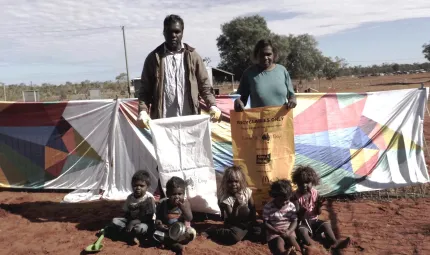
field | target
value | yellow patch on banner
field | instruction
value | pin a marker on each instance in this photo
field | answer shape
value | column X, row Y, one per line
column 304, row 102
column 360, row 157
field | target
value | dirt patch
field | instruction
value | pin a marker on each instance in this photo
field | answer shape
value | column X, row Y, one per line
column 44, row 225
column 3, row 213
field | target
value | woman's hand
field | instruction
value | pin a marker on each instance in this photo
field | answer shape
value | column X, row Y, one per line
column 292, row 102
column 238, row 105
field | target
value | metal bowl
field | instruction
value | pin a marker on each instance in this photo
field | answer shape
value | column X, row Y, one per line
column 177, row 231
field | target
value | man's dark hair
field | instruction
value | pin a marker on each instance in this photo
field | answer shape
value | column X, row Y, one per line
column 175, row 182
column 141, row 175
column 281, row 188
column 171, row 19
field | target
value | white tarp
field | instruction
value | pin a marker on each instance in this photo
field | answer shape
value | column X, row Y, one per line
column 183, row 148
column 127, row 150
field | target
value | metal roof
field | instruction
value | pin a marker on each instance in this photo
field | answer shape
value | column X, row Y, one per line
column 222, row 71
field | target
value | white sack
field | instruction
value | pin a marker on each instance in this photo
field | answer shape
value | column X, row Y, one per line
column 183, row 148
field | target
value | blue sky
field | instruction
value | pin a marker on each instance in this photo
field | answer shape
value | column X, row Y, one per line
column 375, row 43
column 57, row 41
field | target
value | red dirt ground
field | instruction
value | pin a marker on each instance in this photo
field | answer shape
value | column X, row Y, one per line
column 37, row 223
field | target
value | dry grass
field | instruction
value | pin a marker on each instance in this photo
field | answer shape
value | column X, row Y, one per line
column 354, row 84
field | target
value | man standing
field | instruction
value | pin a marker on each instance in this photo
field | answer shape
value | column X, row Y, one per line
column 173, row 78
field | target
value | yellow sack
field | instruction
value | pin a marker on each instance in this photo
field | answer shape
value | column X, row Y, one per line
column 263, row 145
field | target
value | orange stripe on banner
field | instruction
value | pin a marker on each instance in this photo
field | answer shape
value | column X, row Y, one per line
column 53, row 156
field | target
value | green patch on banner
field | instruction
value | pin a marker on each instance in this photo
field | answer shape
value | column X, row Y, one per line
column 18, row 167
column 331, row 184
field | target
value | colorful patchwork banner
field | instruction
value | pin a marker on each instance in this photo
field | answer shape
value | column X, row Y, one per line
column 51, row 145
column 91, row 146
column 355, row 141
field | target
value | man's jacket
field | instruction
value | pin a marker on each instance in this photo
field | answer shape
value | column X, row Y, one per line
column 151, row 93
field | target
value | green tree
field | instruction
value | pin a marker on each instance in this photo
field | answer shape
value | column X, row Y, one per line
column 305, row 59
column 331, row 68
column 395, row 67
column 122, row 77
column 426, row 51
column 237, row 41
column 282, row 43
column 121, row 81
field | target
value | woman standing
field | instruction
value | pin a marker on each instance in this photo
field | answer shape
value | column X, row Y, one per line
column 268, row 83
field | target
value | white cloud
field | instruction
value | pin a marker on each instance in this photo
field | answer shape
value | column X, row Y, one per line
column 28, row 40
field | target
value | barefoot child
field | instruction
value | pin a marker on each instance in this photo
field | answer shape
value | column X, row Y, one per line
column 280, row 218
column 139, row 210
column 309, row 202
column 172, row 209
column 237, row 209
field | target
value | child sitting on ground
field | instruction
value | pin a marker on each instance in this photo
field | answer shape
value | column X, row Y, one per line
column 309, row 205
column 237, row 208
column 139, row 210
column 280, row 218
column 172, row 209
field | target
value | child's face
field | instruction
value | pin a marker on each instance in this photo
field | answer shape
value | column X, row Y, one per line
column 280, row 201
column 233, row 184
column 139, row 188
column 305, row 187
column 177, row 195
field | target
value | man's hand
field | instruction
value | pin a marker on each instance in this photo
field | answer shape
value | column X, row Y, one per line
column 215, row 113
column 292, row 102
column 143, row 119
column 238, row 105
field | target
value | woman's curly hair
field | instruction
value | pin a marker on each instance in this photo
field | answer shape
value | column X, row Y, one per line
column 305, row 174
